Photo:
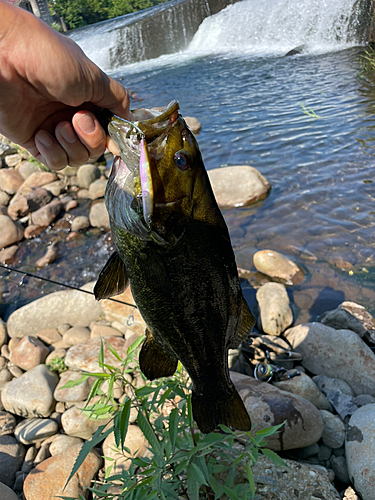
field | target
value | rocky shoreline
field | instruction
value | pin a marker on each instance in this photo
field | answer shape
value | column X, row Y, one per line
column 329, row 408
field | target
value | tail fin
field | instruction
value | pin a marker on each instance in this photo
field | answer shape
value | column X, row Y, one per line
column 211, row 410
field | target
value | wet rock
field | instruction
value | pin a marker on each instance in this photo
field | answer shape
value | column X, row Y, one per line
column 48, row 479
column 62, row 443
column 334, row 430
column 98, row 215
column 79, row 223
column 238, row 186
column 85, row 356
column 7, row 423
column 351, row 316
column 34, row 430
column 325, row 452
column 76, row 335
column 87, row 174
column 47, row 214
column 193, row 124
column 303, row 386
column 32, row 200
column 29, row 353
column 135, row 441
column 10, row 180
column 33, row 231
column 49, row 257
column 275, row 312
column 6, row 493
column 97, row 189
column 276, row 265
column 359, row 447
column 10, row 232
column 27, row 168
column 76, row 393
column 75, row 423
column 7, row 254
column 335, row 353
column 11, row 458
column 31, row 394
column 73, row 306
column 268, row 406
column 71, row 205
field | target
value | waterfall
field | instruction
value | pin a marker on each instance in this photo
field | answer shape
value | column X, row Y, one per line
column 212, row 26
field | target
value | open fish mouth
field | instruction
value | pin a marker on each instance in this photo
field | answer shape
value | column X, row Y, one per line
column 130, row 194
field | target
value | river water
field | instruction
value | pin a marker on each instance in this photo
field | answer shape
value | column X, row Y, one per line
column 306, row 122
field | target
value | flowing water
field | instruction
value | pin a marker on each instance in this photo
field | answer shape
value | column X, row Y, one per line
column 306, row 122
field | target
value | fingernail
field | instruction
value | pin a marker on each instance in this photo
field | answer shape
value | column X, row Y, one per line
column 68, row 134
column 45, row 138
column 86, row 124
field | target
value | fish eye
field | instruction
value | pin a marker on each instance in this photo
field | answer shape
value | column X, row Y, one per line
column 181, row 160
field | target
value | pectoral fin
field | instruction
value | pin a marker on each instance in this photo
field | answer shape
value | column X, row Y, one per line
column 113, row 279
column 246, row 323
column 154, row 361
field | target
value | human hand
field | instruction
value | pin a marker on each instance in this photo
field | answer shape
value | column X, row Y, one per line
column 50, row 92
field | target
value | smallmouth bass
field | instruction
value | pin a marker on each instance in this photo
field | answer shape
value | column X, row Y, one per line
column 173, row 247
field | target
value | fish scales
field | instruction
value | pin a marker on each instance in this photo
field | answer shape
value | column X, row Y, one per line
column 180, row 265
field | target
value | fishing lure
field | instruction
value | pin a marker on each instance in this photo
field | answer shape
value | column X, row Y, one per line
column 146, row 184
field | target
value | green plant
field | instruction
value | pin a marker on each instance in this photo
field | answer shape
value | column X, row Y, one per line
column 310, row 112
column 182, row 463
column 57, row 364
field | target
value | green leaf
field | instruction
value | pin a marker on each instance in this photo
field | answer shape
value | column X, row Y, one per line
column 173, row 427
column 73, row 383
column 192, row 484
column 250, row 478
column 98, row 437
column 269, row 431
column 135, row 345
column 94, row 389
column 101, row 353
column 230, row 493
column 120, row 423
column 274, row 457
column 148, row 432
column 144, row 391
column 198, row 474
column 113, row 351
column 216, row 486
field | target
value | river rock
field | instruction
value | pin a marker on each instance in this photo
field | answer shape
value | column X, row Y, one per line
column 338, row 393
column 135, row 441
column 11, row 458
column 100, row 330
column 350, row 494
column 33, row 231
column 303, row 386
column 49, row 335
column 98, row 215
column 72, row 306
column 6, row 493
column 48, row 479
column 62, row 443
column 12, row 160
column 351, row 316
column 30, row 201
column 29, row 352
column 76, row 335
column 193, row 124
column 47, row 214
column 340, row 468
column 333, row 431
column 7, row 423
column 3, row 333
column 37, row 179
column 276, row 265
column 31, row 394
column 335, row 353
column 76, row 393
column 75, row 423
column 27, row 168
column 275, row 312
column 359, row 447
column 10, row 232
column 55, row 187
column 238, row 186
column 80, row 222
column 5, row 377
column 7, row 254
column 34, row 430
column 10, row 180
column 85, row 356
column 4, row 198
column 97, row 189
column 87, row 174
column 268, row 406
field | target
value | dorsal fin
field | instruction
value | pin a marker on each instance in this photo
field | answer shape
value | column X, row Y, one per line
column 113, row 278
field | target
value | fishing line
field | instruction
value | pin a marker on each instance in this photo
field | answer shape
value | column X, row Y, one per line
column 64, row 284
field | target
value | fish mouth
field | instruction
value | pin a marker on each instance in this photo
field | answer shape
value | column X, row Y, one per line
column 129, row 196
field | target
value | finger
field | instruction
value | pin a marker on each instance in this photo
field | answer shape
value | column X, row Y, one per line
column 111, row 145
column 90, row 133
column 113, row 96
column 68, row 139
column 50, row 151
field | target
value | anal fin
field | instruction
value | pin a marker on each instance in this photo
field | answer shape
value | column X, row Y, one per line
column 245, row 325
column 211, row 410
column 113, row 278
column 154, row 362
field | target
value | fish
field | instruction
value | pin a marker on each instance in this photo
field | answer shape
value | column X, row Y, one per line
column 172, row 246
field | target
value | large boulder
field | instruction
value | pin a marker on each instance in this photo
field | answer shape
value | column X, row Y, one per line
column 335, row 353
